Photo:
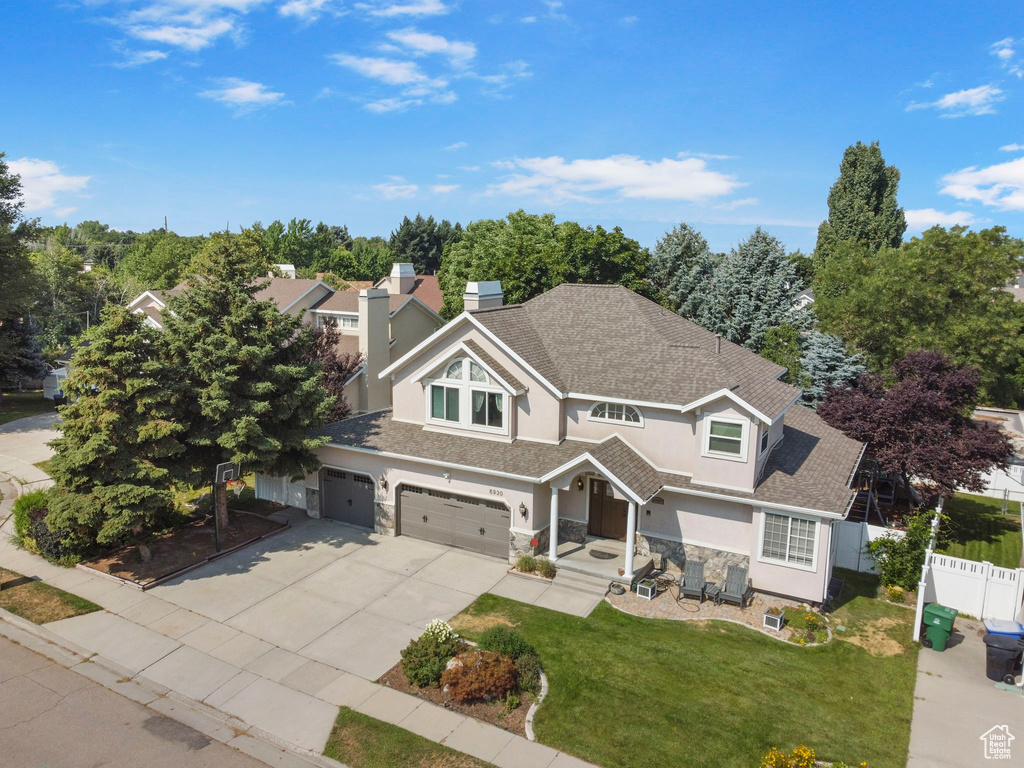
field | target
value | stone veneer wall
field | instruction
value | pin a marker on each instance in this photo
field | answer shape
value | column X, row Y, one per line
column 385, row 520
column 521, row 543
column 572, row 530
column 675, row 554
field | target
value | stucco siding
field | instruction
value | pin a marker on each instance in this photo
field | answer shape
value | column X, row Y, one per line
column 410, row 327
column 787, row 580
column 731, row 473
column 696, row 520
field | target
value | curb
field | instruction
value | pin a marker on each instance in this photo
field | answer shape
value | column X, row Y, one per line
column 197, row 715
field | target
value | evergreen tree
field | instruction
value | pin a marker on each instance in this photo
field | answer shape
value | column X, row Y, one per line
column 23, row 358
column 862, row 204
column 18, row 284
column 245, row 392
column 692, row 291
column 110, row 464
column 751, row 292
column 675, row 255
column 421, row 242
column 826, row 364
column 782, row 346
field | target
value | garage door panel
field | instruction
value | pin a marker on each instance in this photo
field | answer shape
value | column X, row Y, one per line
column 473, row 524
column 348, row 497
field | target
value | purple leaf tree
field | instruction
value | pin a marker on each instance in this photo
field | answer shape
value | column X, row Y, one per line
column 919, row 426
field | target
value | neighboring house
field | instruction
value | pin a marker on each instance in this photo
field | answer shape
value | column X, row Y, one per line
column 381, row 324
column 587, row 412
column 803, row 299
column 1017, row 287
column 1005, row 483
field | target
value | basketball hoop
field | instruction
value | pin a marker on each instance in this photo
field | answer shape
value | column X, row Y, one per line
column 236, row 485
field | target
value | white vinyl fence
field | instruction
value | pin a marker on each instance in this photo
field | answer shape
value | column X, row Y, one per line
column 282, row 490
column 979, row 589
column 852, row 541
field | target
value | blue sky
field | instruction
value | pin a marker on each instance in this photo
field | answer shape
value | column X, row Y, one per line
column 637, row 114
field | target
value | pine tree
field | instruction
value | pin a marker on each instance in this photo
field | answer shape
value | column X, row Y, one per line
column 750, row 292
column 110, row 464
column 693, row 291
column 862, row 204
column 23, row 358
column 675, row 255
column 245, row 392
column 825, row 364
column 421, row 242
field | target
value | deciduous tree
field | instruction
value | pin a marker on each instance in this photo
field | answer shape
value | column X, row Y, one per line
column 918, row 427
column 337, row 367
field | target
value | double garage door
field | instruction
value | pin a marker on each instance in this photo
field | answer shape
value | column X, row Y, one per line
column 348, row 497
column 445, row 518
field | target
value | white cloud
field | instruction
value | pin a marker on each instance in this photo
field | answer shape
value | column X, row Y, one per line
column 456, row 146
column 1006, row 53
column 970, row 101
column 308, row 10
column 138, row 58
column 192, row 38
column 629, row 21
column 1011, row 148
column 1000, row 185
column 528, row 19
column 396, row 191
column 510, row 72
column 920, row 219
column 63, row 212
column 42, row 181
column 470, row 168
column 553, row 178
column 706, row 156
column 245, row 96
column 732, row 205
column 459, row 53
column 387, row 71
column 411, row 8
column 440, row 189
column 391, row 105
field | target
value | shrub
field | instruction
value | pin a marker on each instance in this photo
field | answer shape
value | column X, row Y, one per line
column 526, row 564
column 505, row 641
column 528, row 673
column 899, row 558
column 480, row 675
column 23, row 505
column 546, row 568
column 441, row 629
column 511, row 702
column 801, row 757
column 813, row 621
column 424, row 659
column 895, row 594
column 48, row 543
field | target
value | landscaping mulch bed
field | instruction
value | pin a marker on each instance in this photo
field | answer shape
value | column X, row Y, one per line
column 492, row 712
column 38, row 602
column 184, row 548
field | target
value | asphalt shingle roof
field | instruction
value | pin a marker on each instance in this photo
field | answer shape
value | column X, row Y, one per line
column 810, row 469
column 495, row 366
column 607, row 341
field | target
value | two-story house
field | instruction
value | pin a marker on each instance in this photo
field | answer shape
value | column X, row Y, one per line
column 382, row 323
column 591, row 412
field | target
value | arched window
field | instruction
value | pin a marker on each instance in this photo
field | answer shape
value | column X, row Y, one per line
column 465, row 396
column 617, row 412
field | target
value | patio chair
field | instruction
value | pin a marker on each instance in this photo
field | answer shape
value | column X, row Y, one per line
column 736, row 588
column 691, row 580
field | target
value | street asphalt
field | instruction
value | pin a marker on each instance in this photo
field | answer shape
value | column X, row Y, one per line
column 51, row 717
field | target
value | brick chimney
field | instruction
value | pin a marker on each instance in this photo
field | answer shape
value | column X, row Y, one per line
column 403, row 279
column 375, row 346
column 485, row 295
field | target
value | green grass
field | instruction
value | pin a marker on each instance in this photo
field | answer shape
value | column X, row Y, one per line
column 18, row 405
column 39, row 602
column 632, row 692
column 44, row 465
column 978, row 530
column 363, row 742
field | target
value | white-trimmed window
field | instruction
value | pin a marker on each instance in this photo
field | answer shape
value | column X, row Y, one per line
column 616, row 412
column 464, row 395
column 764, row 438
column 789, row 540
column 348, row 322
column 726, row 438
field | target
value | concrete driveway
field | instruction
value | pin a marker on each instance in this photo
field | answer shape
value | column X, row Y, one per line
column 955, row 704
column 23, row 443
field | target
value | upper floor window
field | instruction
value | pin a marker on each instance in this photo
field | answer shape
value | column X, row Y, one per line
column 338, row 321
column 764, row 438
column 725, row 437
column 616, row 412
column 465, row 396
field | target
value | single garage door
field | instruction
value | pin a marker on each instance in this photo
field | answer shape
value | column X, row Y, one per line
column 348, row 497
column 461, row 521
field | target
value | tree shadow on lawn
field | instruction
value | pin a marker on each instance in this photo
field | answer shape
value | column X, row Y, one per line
column 972, row 520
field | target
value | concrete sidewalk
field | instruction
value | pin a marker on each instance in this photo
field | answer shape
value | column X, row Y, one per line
column 955, row 704
column 282, row 633
column 23, row 443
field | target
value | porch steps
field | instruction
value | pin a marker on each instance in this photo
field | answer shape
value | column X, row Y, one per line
column 581, row 582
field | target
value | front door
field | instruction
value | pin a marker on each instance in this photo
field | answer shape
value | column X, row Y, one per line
column 607, row 514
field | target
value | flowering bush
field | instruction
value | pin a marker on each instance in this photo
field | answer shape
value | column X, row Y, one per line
column 813, row 621
column 894, row 593
column 442, row 630
column 801, row 757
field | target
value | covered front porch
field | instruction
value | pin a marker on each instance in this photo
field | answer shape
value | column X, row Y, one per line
column 603, row 558
column 601, row 492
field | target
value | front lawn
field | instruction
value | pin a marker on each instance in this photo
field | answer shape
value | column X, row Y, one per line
column 38, row 602
column 627, row 691
column 18, row 405
column 978, row 530
column 363, row 742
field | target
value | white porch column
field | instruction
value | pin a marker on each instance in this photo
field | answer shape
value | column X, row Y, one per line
column 630, row 539
column 553, row 530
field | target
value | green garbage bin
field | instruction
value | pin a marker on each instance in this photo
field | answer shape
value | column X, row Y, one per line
column 938, row 621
